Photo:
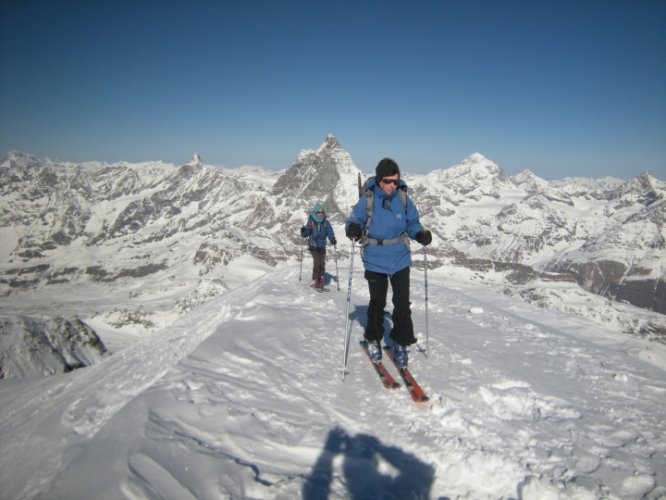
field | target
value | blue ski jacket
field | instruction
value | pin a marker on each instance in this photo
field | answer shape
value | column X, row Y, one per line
column 390, row 220
column 317, row 228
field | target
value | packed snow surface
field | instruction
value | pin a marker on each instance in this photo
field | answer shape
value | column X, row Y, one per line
column 243, row 397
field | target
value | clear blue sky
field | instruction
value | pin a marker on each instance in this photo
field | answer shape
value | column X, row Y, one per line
column 560, row 87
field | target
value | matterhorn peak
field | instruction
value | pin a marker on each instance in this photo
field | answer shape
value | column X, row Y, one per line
column 330, row 143
column 321, row 175
column 195, row 161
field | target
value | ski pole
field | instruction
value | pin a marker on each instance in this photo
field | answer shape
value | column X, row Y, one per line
column 425, row 283
column 347, row 329
column 337, row 273
column 300, row 274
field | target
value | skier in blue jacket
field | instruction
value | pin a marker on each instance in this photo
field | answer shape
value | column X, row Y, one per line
column 384, row 225
column 317, row 229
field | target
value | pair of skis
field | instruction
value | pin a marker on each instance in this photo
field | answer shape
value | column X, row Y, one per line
column 320, row 288
column 415, row 391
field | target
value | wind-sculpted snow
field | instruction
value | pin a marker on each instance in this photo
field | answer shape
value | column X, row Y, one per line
column 242, row 397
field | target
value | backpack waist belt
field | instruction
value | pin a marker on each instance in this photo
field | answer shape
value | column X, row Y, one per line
column 400, row 239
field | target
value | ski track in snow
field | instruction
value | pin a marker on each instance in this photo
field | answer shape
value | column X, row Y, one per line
column 244, row 398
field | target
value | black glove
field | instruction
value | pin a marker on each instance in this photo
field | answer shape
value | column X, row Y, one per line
column 334, row 242
column 303, row 230
column 354, row 231
column 424, row 237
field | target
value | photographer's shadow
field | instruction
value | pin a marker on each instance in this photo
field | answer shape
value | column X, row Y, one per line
column 370, row 470
column 360, row 315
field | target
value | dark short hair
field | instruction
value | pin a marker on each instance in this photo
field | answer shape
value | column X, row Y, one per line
column 386, row 167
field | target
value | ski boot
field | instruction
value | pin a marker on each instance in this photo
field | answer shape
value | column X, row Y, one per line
column 375, row 350
column 400, row 355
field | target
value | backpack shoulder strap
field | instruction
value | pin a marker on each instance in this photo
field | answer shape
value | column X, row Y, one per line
column 369, row 194
column 402, row 193
column 370, row 199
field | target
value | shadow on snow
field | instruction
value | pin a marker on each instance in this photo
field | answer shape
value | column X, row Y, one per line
column 370, row 469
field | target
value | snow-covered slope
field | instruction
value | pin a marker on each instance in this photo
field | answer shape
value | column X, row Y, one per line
column 242, row 397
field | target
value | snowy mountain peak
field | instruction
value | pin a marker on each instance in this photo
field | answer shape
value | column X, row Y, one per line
column 530, row 182
column 478, row 162
column 474, row 171
column 330, row 143
column 525, row 175
column 16, row 158
column 475, row 158
column 326, row 173
column 643, row 188
column 647, row 181
column 195, row 161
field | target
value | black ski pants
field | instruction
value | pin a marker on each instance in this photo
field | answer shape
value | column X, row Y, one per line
column 403, row 329
column 318, row 263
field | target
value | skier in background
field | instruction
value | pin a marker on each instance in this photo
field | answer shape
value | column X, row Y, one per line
column 317, row 229
column 383, row 220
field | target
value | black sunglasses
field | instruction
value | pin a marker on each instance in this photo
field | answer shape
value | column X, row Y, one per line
column 390, row 181
column 320, row 212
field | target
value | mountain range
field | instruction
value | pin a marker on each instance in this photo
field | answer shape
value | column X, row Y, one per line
column 71, row 232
